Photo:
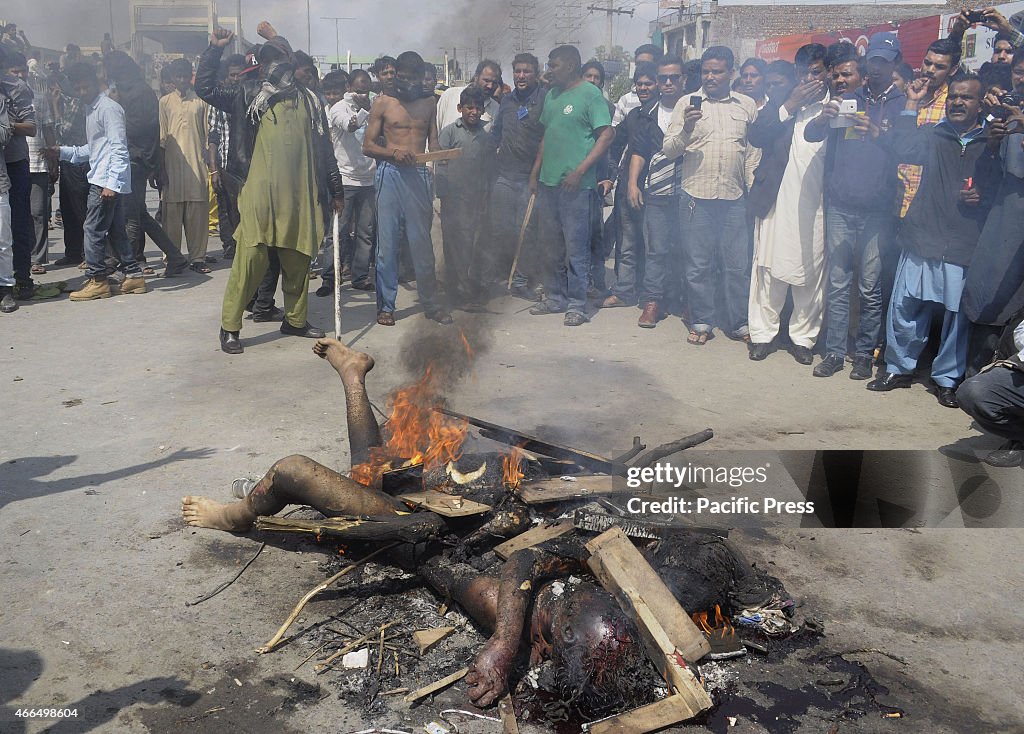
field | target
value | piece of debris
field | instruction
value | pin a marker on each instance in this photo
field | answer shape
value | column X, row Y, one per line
column 533, row 536
column 357, row 659
column 436, row 686
column 238, row 683
column 426, row 639
column 445, row 505
column 71, row 403
column 434, row 728
column 509, row 725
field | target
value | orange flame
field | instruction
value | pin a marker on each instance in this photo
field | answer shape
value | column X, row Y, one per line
column 719, row 626
column 511, row 468
column 414, row 433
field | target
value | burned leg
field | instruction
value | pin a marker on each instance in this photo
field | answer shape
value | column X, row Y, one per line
column 352, row 366
column 294, row 480
column 476, row 593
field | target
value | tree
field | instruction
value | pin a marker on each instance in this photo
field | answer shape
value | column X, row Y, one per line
column 617, row 70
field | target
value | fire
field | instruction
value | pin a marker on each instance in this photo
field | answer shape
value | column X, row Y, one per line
column 511, row 468
column 719, row 627
column 414, row 433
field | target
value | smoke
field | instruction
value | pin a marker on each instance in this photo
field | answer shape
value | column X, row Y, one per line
column 449, row 351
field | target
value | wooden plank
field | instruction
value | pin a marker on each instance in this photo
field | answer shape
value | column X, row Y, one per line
column 556, row 489
column 509, row 725
column 512, row 437
column 448, row 505
column 533, row 536
column 670, row 636
column 426, row 639
column 653, row 716
column 438, row 155
column 436, row 686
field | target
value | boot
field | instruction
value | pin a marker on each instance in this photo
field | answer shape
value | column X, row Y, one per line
column 7, row 302
column 94, row 288
column 134, row 284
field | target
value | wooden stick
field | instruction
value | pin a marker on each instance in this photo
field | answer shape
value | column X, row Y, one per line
column 336, row 230
column 438, row 155
column 509, row 725
column 380, row 652
column 326, row 662
column 309, row 657
column 436, row 686
column 274, row 641
column 522, row 236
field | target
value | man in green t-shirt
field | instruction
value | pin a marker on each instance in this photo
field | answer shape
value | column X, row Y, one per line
column 577, row 133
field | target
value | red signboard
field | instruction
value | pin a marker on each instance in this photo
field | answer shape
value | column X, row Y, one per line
column 914, row 35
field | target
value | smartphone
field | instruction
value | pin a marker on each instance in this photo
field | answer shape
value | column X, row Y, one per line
column 848, row 107
column 975, row 16
column 695, row 101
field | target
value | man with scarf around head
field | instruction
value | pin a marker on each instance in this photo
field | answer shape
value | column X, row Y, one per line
column 406, row 119
column 284, row 155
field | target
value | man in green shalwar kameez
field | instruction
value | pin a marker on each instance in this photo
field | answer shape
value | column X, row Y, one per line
column 291, row 172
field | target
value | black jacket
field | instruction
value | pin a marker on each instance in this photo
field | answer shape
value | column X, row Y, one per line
column 775, row 138
column 644, row 137
column 938, row 225
column 142, row 122
column 235, row 101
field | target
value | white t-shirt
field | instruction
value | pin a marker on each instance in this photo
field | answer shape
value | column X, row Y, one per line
column 356, row 168
column 664, row 116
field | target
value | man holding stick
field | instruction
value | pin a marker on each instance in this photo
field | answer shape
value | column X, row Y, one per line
column 407, row 120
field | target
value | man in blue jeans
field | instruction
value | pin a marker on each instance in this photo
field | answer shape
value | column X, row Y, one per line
column 406, row 118
column 860, row 216
column 109, row 184
column 577, row 133
column 717, row 169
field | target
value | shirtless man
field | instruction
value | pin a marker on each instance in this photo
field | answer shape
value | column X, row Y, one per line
column 406, row 122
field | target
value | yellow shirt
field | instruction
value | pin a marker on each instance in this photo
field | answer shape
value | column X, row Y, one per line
column 183, row 130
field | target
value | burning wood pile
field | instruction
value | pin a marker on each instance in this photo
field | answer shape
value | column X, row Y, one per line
column 597, row 619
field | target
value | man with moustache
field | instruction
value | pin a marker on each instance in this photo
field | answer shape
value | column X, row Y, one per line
column 961, row 169
column 488, row 79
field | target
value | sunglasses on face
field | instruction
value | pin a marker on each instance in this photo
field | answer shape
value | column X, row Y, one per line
column 674, row 78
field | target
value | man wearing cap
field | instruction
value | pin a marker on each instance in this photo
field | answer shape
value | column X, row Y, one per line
column 860, row 216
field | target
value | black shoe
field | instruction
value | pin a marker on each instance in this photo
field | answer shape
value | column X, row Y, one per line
column 525, row 292
column 325, row 290
column 827, row 367
column 229, row 252
column 364, row 285
column 275, row 314
column 309, row 331
column 24, row 290
column 543, row 308
column 757, row 352
column 890, row 381
column 173, row 270
column 861, row 368
column 947, row 397
column 803, row 355
column 1009, row 454
column 65, row 261
column 230, row 343
column 7, row 303
column 439, row 315
column 575, row 318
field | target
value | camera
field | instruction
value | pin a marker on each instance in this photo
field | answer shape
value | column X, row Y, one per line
column 976, row 16
column 1010, row 99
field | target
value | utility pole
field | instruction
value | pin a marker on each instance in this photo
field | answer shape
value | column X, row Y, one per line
column 521, row 18
column 568, row 21
column 611, row 11
column 238, row 27
column 337, row 34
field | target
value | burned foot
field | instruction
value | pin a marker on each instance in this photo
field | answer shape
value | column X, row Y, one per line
column 201, row 512
column 488, row 673
column 348, row 363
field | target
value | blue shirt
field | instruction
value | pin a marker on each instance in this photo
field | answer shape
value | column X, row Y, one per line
column 106, row 148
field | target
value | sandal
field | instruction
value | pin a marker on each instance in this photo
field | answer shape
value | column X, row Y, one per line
column 199, row 267
column 698, row 338
column 148, row 271
column 385, row 318
column 38, row 269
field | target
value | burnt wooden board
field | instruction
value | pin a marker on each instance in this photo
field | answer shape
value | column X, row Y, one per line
column 532, row 537
column 512, row 437
column 556, row 489
column 447, row 505
column 669, row 635
column 647, row 718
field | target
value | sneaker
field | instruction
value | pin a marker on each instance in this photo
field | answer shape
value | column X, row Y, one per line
column 1009, row 454
column 575, row 318
column 543, row 308
column 831, row 364
column 862, row 368
column 134, row 284
column 7, row 303
column 93, row 289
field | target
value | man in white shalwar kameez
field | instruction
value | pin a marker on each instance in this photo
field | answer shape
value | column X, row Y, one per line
column 789, row 243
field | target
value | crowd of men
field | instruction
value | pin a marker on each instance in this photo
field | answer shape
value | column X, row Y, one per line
column 864, row 210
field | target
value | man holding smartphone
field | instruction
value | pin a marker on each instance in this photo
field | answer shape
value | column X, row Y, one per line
column 709, row 133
